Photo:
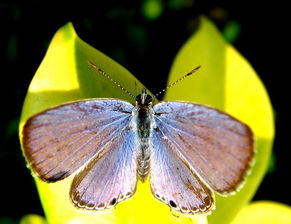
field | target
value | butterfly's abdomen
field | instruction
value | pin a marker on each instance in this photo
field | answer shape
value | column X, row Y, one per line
column 143, row 162
column 144, row 125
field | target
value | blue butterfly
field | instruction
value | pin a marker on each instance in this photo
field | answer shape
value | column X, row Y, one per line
column 186, row 149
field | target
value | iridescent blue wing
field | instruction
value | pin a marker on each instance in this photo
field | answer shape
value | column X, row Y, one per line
column 218, row 147
column 110, row 177
column 173, row 181
column 60, row 140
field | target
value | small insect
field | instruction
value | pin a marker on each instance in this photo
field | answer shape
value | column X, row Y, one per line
column 187, row 150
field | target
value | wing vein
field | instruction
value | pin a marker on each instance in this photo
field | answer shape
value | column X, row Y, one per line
column 178, row 153
column 80, row 147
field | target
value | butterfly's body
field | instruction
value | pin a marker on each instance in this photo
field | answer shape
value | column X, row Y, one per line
column 187, row 150
column 143, row 123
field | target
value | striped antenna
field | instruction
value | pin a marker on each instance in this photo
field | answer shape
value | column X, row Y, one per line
column 109, row 77
column 180, row 79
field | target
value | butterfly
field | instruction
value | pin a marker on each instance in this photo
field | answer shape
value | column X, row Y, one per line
column 187, row 150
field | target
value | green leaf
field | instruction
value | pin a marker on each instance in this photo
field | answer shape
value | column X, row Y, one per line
column 7, row 220
column 228, row 82
column 64, row 75
column 231, row 31
column 152, row 9
column 32, row 219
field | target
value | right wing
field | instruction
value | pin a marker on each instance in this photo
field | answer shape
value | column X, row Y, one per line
column 216, row 145
column 174, row 182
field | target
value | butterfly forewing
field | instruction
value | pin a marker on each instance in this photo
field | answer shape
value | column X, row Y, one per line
column 217, row 146
column 173, row 181
column 110, row 177
column 60, row 140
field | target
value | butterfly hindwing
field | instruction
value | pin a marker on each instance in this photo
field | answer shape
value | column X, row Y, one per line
column 217, row 146
column 110, row 177
column 60, row 140
column 173, row 181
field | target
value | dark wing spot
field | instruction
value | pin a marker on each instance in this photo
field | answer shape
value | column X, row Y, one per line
column 113, row 201
column 101, row 206
column 173, row 204
column 156, row 129
column 184, row 208
column 58, row 176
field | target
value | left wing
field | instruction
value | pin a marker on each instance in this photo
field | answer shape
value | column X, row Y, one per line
column 110, row 177
column 60, row 140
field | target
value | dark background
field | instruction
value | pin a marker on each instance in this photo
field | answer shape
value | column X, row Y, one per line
column 143, row 36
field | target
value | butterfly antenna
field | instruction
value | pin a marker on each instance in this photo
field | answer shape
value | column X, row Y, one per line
column 110, row 78
column 178, row 80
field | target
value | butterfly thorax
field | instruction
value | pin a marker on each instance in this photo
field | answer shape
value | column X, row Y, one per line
column 143, row 117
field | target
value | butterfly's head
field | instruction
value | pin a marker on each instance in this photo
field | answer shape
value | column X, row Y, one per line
column 144, row 99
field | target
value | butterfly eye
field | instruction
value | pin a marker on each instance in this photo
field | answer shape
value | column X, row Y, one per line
column 149, row 99
column 143, row 101
column 138, row 98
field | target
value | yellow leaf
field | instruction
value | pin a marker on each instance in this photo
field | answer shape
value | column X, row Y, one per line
column 264, row 212
column 228, row 82
column 64, row 75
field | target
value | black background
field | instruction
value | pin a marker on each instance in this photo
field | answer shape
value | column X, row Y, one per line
column 124, row 33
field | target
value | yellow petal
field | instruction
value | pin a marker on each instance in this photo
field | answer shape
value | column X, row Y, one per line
column 264, row 212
